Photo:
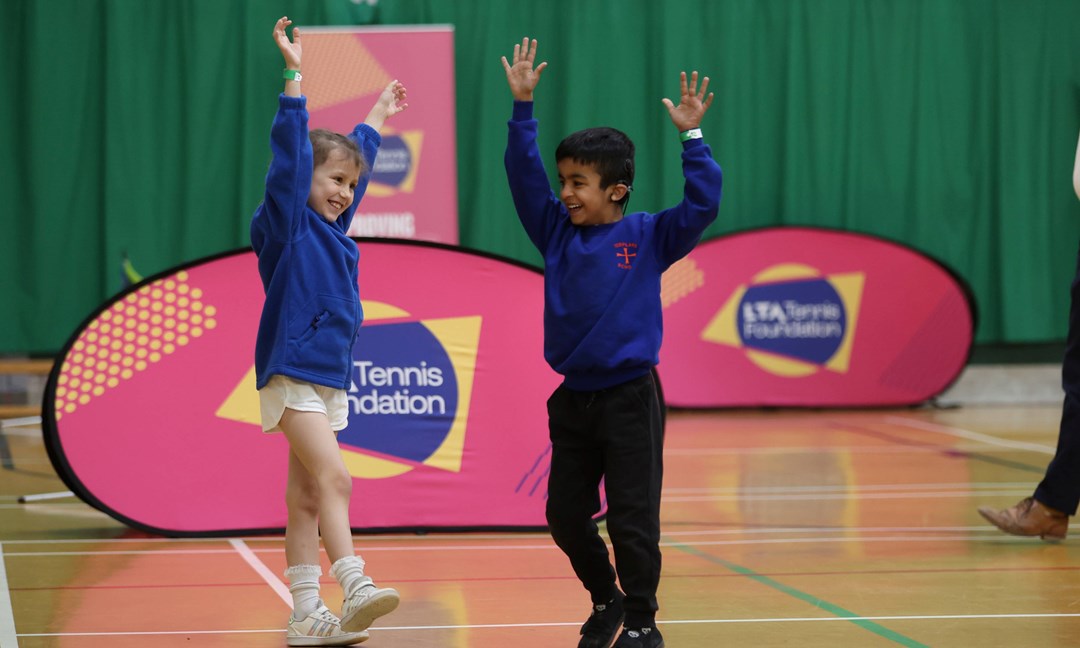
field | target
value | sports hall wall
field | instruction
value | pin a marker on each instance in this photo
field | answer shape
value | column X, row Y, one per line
column 140, row 128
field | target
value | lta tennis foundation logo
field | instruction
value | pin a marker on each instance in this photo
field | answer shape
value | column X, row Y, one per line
column 410, row 392
column 409, row 395
column 791, row 320
column 396, row 164
column 394, row 173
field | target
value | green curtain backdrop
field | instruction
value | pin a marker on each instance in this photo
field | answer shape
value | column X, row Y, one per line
column 141, row 127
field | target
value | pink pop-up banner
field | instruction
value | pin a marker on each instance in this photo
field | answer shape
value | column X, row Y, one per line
column 807, row 317
column 152, row 414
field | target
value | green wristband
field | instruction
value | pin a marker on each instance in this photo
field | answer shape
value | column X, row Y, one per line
column 292, row 75
column 693, row 133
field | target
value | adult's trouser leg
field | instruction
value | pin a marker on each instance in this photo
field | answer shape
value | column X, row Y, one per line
column 1060, row 487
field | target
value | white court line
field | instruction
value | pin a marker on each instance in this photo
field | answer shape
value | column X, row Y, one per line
column 508, row 536
column 774, row 450
column 670, row 494
column 851, row 495
column 37, row 497
column 767, row 541
column 133, row 552
column 968, row 434
column 498, row 626
column 766, row 531
column 913, row 617
column 8, row 637
column 814, row 497
column 551, row 547
column 817, row 450
column 167, row 552
column 21, row 422
column 844, row 487
column 262, row 570
column 431, row 537
column 160, row 633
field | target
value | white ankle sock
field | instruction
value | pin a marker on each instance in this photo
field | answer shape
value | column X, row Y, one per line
column 304, row 587
column 349, row 571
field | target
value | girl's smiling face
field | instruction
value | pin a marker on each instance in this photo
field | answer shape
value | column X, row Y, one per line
column 333, row 184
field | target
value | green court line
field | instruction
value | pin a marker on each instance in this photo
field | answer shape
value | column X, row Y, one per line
column 836, row 610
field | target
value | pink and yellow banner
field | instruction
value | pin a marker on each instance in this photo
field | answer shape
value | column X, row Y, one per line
column 153, row 415
column 413, row 189
column 807, row 317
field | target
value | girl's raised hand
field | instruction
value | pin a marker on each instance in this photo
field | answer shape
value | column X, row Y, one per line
column 392, row 98
column 289, row 50
column 391, row 101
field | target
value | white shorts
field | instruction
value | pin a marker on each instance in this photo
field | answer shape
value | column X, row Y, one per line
column 282, row 391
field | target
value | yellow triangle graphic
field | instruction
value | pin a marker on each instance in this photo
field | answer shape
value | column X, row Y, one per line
column 243, row 402
column 781, row 366
column 460, row 336
column 850, row 288
column 723, row 328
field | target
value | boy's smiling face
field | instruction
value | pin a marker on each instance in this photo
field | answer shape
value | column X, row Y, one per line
column 587, row 202
column 332, row 185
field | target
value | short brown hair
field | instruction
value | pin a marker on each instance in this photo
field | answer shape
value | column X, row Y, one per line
column 323, row 141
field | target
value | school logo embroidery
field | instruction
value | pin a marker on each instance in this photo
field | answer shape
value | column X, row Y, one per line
column 625, row 253
column 409, row 394
column 791, row 320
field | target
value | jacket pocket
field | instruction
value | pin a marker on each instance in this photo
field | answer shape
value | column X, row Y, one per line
column 321, row 336
column 312, row 327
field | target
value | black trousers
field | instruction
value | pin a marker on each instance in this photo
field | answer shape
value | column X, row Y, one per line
column 616, row 434
column 1060, row 487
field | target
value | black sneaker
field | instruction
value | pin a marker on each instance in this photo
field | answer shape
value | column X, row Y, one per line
column 640, row 638
column 603, row 624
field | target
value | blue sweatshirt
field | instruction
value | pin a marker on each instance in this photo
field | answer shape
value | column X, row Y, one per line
column 308, row 265
column 602, row 313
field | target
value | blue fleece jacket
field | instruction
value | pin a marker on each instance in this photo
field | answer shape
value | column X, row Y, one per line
column 602, row 314
column 308, row 265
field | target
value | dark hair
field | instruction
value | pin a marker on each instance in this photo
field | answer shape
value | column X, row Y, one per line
column 323, row 141
column 609, row 150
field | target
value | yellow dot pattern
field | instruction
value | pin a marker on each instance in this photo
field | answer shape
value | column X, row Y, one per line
column 132, row 334
column 338, row 68
column 680, row 280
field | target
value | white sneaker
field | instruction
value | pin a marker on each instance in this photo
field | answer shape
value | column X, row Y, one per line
column 367, row 604
column 321, row 628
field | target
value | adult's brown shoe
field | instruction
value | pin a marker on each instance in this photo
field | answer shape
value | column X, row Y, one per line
column 1028, row 517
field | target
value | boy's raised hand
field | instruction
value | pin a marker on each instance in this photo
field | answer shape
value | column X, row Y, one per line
column 289, row 50
column 520, row 75
column 691, row 108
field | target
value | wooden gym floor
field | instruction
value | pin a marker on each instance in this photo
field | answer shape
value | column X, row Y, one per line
column 831, row 528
